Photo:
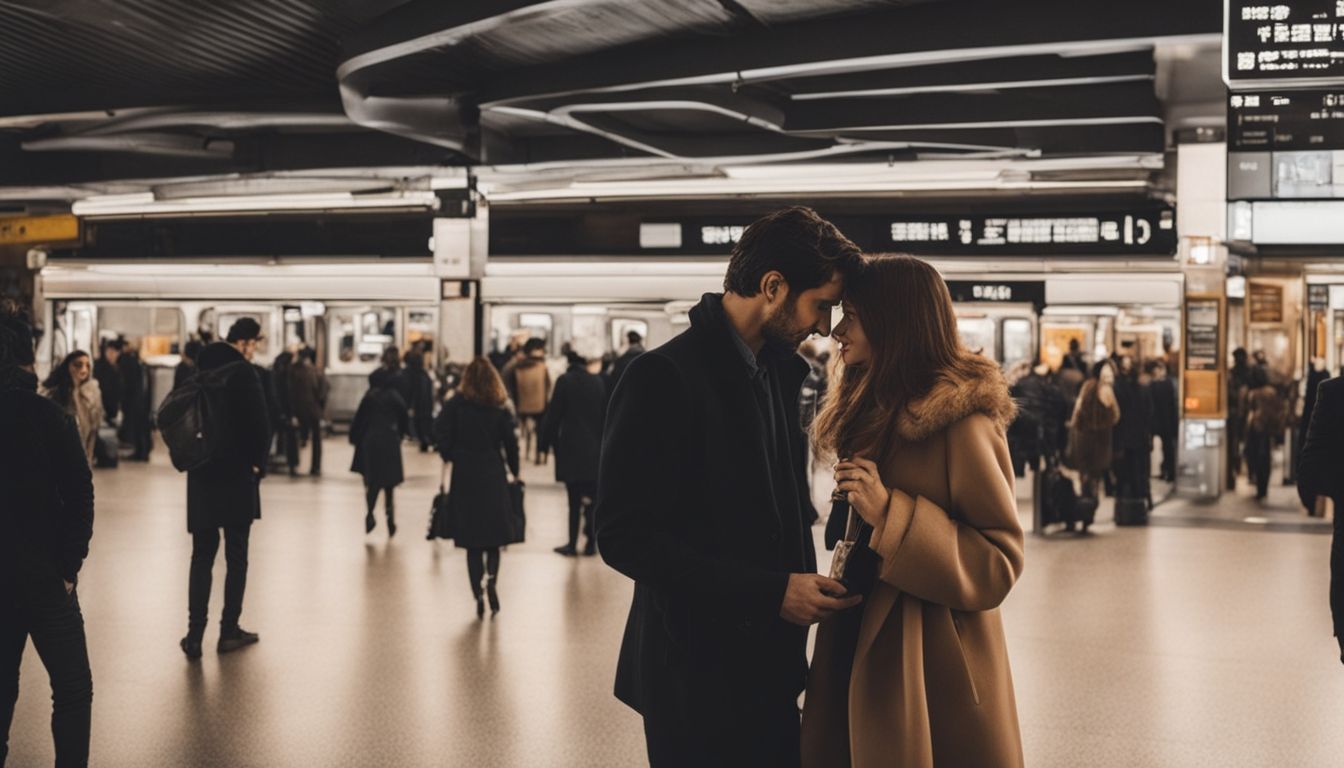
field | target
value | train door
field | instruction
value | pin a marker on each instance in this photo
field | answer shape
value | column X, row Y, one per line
column 1005, row 333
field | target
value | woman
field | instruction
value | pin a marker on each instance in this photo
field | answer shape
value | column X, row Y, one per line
column 477, row 435
column 1090, row 432
column 72, row 387
column 380, row 422
column 1266, row 414
column 917, row 675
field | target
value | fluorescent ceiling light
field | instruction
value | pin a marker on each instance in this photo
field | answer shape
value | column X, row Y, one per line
column 790, row 187
column 145, row 204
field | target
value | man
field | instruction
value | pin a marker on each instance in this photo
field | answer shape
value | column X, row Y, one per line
column 46, row 521
column 307, row 398
column 1238, row 386
column 186, row 365
column 702, row 500
column 286, row 427
column 1318, row 475
column 135, row 430
column 573, row 426
column 223, row 494
column 634, row 348
column 529, row 386
column 1166, row 418
column 109, row 378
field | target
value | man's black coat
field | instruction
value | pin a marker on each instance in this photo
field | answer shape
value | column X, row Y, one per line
column 688, row 507
column 224, row 492
column 1319, row 474
column 573, row 425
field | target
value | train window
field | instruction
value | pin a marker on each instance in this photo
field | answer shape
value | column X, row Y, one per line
column 343, row 330
column 377, row 332
column 622, row 326
column 977, row 333
column 536, row 323
column 1017, row 340
column 420, row 330
column 157, row 330
column 359, row 335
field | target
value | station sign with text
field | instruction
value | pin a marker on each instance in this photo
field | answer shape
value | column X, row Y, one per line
column 1125, row 232
column 1286, row 44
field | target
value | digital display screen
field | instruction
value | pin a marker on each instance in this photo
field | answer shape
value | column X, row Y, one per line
column 1151, row 232
column 1284, row 43
column 1288, row 120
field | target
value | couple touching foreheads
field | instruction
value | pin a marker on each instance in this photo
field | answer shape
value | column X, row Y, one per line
column 703, row 500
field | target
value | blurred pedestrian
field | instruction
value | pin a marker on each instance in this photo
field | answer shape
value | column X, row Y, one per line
column 135, row 429
column 1166, row 418
column 286, row 433
column 477, row 435
column 634, row 347
column 46, row 522
column 71, row 386
column 573, row 427
column 307, row 396
column 418, row 384
column 529, row 386
column 1132, row 438
column 1041, row 413
column 380, row 422
column 1266, row 416
column 1090, row 432
column 1238, row 386
column 1318, row 474
column 107, row 374
column 186, row 366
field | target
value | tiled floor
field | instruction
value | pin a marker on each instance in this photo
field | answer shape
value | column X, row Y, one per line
column 1171, row 647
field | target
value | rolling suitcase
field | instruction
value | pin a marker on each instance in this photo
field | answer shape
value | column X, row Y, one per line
column 1129, row 511
column 105, row 447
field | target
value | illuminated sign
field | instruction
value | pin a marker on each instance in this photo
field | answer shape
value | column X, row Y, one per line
column 1283, row 44
column 1122, row 232
column 720, row 235
column 999, row 291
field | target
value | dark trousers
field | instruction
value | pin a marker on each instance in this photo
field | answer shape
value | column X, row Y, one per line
column 479, row 563
column 1258, row 447
column 205, row 544
column 768, row 735
column 288, row 435
column 371, row 499
column 577, row 508
column 53, row 619
column 314, row 430
column 1168, row 457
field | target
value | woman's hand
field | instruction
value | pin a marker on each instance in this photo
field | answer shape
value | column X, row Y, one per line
column 863, row 487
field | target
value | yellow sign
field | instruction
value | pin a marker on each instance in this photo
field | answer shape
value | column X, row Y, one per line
column 19, row 230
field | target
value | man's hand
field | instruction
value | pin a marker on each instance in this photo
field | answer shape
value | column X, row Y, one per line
column 812, row 597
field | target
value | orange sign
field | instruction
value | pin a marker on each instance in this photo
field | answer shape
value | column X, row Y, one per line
column 20, row 230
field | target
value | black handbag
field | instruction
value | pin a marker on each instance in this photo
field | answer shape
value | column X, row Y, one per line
column 517, row 515
column 442, row 523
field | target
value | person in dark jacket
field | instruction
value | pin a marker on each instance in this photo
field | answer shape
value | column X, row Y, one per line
column 186, row 367
column 416, row 382
column 1266, row 417
column 634, row 348
column 105, row 371
column 46, row 522
column 477, row 434
column 286, row 429
column 308, row 399
column 1318, row 474
column 573, row 426
column 1166, row 417
column 1132, row 439
column 135, row 429
column 702, row 501
column 1037, row 432
column 224, row 493
column 1318, row 374
column 380, row 422
column 1238, row 387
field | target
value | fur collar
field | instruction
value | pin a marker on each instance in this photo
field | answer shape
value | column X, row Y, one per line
column 953, row 398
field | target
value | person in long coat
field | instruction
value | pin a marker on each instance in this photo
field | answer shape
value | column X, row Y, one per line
column 307, row 399
column 72, row 386
column 418, row 388
column 573, row 427
column 380, row 422
column 1318, row 475
column 224, row 493
column 108, row 375
column 1094, row 418
column 135, row 428
column 917, row 675
column 477, row 434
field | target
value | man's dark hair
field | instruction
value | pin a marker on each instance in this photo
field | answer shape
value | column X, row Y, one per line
column 309, row 354
column 633, row 337
column 244, row 329
column 805, row 248
column 192, row 350
column 534, row 344
column 16, row 335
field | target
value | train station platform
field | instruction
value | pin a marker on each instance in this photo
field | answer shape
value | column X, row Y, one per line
column 1161, row 646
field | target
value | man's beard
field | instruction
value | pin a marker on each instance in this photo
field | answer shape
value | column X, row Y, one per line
column 778, row 330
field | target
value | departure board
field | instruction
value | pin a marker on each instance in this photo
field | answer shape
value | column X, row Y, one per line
column 1128, row 232
column 1258, row 121
column 1299, row 43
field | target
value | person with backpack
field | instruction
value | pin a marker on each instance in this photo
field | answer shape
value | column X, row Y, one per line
column 223, row 492
column 1266, row 415
column 380, row 422
column 573, row 426
column 46, row 522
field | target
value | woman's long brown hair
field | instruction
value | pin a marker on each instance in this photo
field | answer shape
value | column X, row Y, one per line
column 907, row 316
column 481, row 384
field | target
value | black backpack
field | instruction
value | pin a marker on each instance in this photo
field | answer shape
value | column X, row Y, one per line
column 191, row 419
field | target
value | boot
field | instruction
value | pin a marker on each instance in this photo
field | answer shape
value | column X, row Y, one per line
column 492, row 594
column 369, row 522
column 232, row 639
column 391, row 523
column 480, row 600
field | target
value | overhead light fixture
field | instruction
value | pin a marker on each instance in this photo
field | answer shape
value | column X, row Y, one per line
column 146, row 204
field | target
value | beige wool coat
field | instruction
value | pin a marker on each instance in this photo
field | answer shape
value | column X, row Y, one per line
column 931, row 684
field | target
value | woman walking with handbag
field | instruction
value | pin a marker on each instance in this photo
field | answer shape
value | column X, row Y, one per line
column 916, row 675
column 380, row 422
column 477, row 434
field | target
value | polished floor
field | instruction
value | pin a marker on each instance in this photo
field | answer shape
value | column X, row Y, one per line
column 1164, row 646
